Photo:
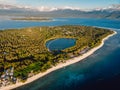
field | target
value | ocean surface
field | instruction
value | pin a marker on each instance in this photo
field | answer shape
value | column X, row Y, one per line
column 99, row 71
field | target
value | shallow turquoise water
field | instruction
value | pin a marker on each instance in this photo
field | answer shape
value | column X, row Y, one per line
column 100, row 71
column 60, row 44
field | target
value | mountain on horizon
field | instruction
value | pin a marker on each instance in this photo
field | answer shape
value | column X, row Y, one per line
column 110, row 12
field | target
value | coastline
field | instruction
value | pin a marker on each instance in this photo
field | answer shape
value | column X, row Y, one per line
column 61, row 65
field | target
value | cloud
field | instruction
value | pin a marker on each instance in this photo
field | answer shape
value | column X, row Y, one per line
column 72, row 8
column 7, row 1
column 39, row 8
column 43, row 8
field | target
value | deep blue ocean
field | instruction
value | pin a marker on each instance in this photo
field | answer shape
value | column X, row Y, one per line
column 99, row 71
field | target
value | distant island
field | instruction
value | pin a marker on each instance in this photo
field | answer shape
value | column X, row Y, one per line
column 24, row 54
column 33, row 19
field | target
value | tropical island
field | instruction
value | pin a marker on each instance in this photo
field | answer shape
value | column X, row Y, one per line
column 32, row 19
column 24, row 56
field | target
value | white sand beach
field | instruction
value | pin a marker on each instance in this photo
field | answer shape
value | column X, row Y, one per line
column 61, row 65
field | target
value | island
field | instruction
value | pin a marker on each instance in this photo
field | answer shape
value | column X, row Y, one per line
column 25, row 57
column 40, row 19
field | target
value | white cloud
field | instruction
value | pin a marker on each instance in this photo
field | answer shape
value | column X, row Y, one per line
column 10, row 4
column 7, row 1
column 43, row 8
column 72, row 8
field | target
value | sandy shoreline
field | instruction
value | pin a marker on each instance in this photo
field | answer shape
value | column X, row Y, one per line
column 61, row 65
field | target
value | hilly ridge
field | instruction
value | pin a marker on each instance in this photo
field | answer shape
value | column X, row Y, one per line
column 109, row 13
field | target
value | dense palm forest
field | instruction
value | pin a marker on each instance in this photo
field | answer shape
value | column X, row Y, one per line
column 25, row 49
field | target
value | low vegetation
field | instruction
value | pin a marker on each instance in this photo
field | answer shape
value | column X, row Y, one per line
column 25, row 49
column 33, row 19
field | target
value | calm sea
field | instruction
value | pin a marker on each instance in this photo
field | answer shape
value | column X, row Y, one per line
column 100, row 71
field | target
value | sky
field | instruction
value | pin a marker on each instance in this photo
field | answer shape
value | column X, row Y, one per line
column 82, row 4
